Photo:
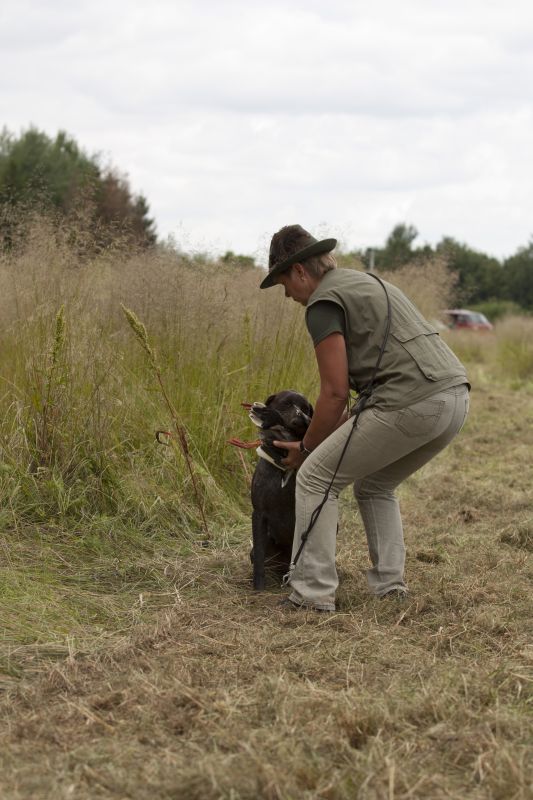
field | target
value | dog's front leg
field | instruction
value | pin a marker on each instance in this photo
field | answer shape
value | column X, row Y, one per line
column 259, row 537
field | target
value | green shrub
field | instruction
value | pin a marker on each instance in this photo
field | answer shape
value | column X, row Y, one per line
column 496, row 310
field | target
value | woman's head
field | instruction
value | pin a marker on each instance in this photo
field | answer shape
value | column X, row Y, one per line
column 301, row 279
column 316, row 266
column 294, row 245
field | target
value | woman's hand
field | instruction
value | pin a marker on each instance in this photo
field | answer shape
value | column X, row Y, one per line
column 294, row 458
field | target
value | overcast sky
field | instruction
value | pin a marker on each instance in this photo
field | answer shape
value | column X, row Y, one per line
column 235, row 117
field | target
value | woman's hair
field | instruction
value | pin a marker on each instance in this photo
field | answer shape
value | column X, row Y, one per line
column 317, row 266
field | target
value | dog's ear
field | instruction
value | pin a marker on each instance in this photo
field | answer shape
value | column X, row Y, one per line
column 270, row 399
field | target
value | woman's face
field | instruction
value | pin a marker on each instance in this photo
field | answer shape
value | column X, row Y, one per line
column 298, row 284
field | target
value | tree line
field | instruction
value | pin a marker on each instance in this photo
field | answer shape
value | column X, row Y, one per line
column 482, row 279
column 38, row 171
column 57, row 173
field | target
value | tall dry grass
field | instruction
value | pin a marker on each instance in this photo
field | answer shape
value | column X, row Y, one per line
column 430, row 285
column 78, row 420
column 79, row 411
column 515, row 348
column 504, row 355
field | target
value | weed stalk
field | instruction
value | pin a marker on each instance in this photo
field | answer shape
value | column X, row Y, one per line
column 46, row 436
column 139, row 330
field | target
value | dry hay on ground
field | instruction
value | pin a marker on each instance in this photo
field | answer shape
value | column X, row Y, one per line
column 226, row 696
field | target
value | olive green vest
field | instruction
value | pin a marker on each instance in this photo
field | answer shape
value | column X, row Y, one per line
column 416, row 362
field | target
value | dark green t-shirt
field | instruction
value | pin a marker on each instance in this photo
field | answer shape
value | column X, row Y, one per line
column 323, row 318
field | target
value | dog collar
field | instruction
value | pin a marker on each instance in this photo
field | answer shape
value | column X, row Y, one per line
column 263, row 454
column 287, row 473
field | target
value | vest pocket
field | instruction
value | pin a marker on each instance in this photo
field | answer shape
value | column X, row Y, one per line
column 432, row 356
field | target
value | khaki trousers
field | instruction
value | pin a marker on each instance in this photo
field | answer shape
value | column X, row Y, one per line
column 386, row 447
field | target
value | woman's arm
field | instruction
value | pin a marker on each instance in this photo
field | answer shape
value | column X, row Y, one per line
column 332, row 363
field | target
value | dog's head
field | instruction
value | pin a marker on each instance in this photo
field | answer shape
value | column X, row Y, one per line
column 288, row 410
column 294, row 409
column 284, row 416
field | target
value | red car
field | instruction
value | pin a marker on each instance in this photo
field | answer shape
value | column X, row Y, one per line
column 472, row 320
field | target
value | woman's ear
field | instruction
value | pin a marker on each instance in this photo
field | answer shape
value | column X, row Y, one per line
column 300, row 271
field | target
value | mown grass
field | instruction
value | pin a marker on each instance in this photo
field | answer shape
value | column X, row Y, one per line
column 222, row 695
column 137, row 662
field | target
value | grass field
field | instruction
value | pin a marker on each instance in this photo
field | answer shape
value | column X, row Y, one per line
column 137, row 663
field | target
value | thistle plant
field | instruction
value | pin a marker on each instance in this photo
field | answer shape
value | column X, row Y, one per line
column 141, row 334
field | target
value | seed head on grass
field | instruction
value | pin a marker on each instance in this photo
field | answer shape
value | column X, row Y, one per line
column 139, row 330
column 59, row 336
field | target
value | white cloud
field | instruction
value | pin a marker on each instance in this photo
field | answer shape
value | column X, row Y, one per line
column 236, row 117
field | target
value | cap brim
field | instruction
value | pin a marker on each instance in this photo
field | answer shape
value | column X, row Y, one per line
column 315, row 249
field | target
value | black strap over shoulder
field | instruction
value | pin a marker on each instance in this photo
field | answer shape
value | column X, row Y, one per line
column 360, row 404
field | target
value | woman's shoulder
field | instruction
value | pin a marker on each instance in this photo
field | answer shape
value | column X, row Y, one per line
column 323, row 318
column 340, row 284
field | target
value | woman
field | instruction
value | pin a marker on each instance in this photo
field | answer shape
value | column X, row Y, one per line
column 416, row 402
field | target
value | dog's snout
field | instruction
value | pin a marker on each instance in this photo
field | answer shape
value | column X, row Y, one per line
column 300, row 413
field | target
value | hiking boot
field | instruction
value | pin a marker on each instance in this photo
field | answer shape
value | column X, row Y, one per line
column 288, row 605
column 395, row 594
